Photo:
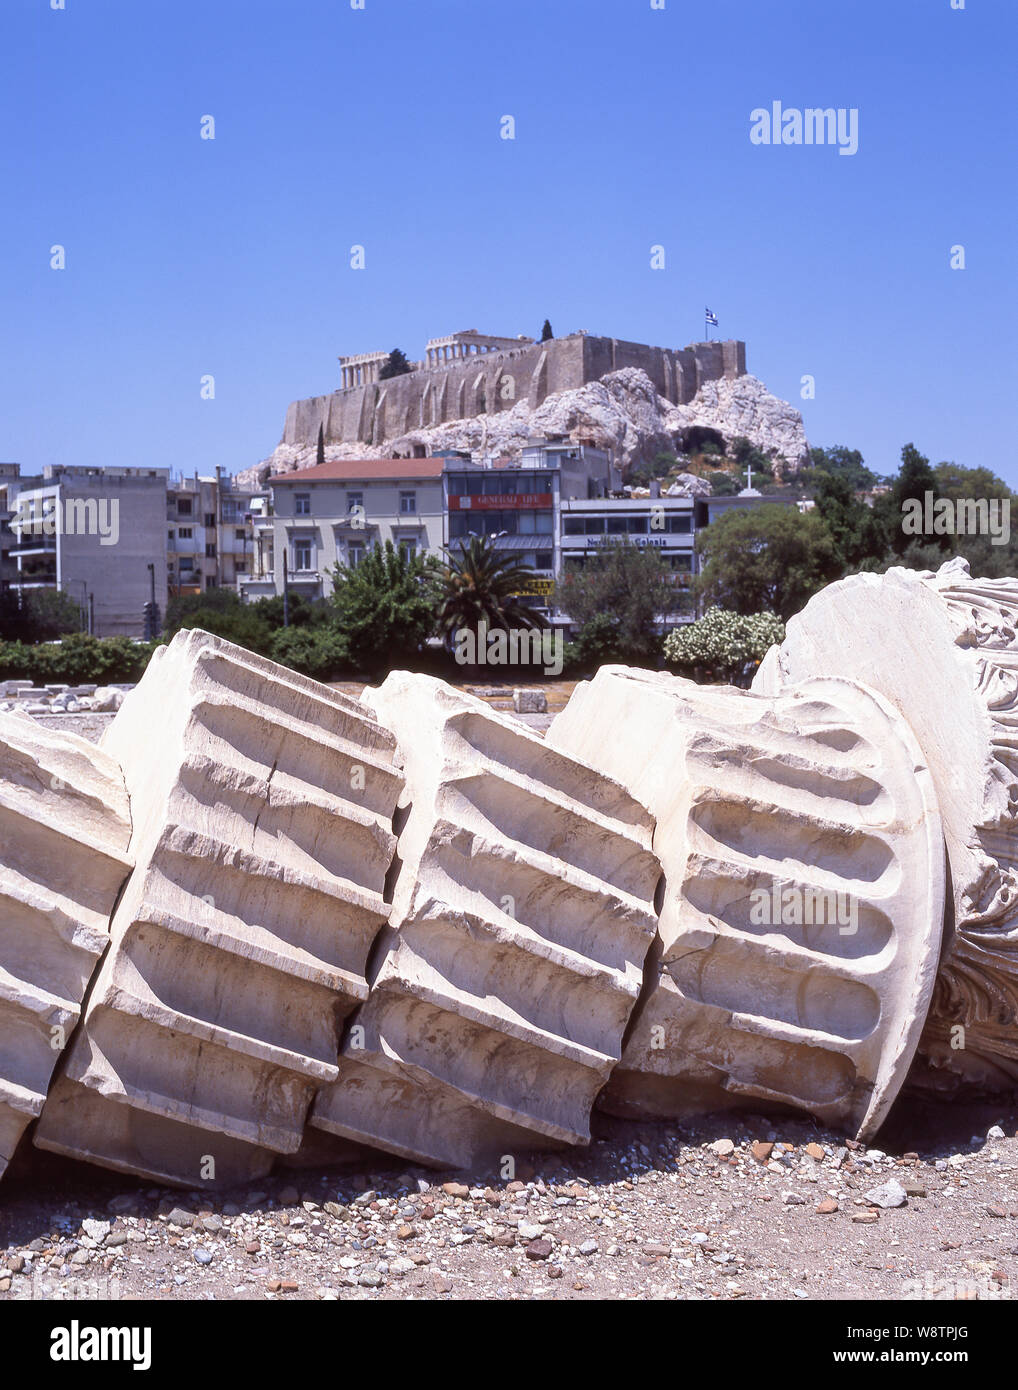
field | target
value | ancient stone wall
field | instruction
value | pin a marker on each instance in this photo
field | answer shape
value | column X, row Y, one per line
column 493, row 382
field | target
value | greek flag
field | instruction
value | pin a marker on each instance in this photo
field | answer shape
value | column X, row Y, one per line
column 712, row 318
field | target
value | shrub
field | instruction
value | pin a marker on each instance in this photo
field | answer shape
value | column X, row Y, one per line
column 723, row 646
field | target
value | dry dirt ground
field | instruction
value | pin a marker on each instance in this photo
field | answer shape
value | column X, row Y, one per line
column 724, row 1208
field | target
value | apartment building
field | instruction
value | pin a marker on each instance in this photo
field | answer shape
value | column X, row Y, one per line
column 210, row 533
column 96, row 534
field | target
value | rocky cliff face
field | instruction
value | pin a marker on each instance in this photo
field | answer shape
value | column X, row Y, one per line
column 622, row 412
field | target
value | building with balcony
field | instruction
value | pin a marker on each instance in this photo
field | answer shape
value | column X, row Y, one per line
column 210, row 534
column 96, row 534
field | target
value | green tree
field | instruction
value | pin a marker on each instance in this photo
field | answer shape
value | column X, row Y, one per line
column 480, row 585
column 385, row 608
column 841, row 462
column 723, row 646
column 320, row 449
column 915, row 479
column 614, row 599
column 396, row 365
column 860, row 535
column 768, row 558
column 546, row 332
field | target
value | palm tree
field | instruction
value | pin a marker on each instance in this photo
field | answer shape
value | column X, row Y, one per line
column 482, row 586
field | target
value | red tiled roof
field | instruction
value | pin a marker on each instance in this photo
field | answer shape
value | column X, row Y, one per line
column 362, row 470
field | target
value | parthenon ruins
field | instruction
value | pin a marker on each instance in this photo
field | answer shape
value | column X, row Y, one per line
column 364, row 368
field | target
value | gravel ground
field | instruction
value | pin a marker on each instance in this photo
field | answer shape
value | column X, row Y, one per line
column 724, row 1208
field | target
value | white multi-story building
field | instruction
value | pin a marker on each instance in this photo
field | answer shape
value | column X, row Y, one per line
column 335, row 512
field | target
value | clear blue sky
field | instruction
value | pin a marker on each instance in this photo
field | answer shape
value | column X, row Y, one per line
column 337, row 126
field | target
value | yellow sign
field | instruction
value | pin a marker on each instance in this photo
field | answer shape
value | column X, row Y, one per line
column 537, row 586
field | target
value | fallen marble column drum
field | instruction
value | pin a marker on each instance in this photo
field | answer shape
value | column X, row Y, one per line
column 522, row 913
column 943, row 650
column 263, row 807
column 64, row 832
column 804, row 892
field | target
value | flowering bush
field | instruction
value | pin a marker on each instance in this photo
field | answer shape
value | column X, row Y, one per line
column 723, row 646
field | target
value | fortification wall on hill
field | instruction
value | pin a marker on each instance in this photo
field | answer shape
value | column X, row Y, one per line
column 493, row 382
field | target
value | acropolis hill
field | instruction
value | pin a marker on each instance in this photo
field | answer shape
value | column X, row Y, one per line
column 489, row 394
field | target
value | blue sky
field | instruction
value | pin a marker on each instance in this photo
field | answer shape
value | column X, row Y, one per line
column 380, row 127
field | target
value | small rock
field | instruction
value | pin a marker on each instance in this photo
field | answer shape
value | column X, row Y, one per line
column 202, row 1256
column 889, row 1194
column 179, row 1217
column 792, row 1199
column 722, row 1147
column 455, row 1189
column 538, row 1250
column 95, row 1230
column 369, row 1278
column 827, row 1206
column 289, row 1197
column 866, row 1218
column 816, row 1152
column 998, row 1212
column 995, row 1132
column 589, row 1247
column 761, row 1150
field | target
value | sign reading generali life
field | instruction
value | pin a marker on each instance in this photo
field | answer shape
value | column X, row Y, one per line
column 500, row 501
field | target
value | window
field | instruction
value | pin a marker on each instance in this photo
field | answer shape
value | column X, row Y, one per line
column 210, row 518
column 302, row 555
column 210, row 551
column 183, row 506
column 679, row 524
column 240, row 566
column 354, row 499
column 593, row 526
column 302, row 504
column 407, row 549
column 616, row 526
column 354, row 555
column 186, row 564
column 407, row 503
column 543, row 560
column 185, row 533
column 573, row 526
column 240, row 534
